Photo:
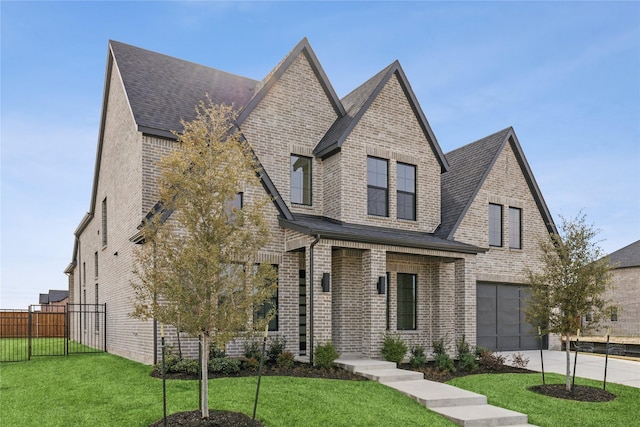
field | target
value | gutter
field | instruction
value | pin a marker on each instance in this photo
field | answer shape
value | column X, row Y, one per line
column 315, row 242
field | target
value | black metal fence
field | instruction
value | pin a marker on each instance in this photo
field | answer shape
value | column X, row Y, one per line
column 45, row 330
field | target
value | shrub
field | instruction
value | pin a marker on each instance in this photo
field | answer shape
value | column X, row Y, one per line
column 462, row 348
column 519, row 360
column 393, row 348
column 491, row 361
column 286, row 359
column 440, row 346
column 252, row 350
column 216, row 352
column 187, row 366
column 252, row 363
column 224, row 365
column 444, row 363
column 324, row 355
column 418, row 357
column 468, row 362
column 479, row 351
column 276, row 347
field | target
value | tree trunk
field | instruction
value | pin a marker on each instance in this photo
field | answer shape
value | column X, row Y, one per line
column 205, row 340
column 568, row 352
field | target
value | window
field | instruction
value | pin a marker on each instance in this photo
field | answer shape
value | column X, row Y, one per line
column 377, row 187
column 268, row 305
column 614, row 314
column 495, row 225
column 104, row 222
column 406, row 296
column 95, row 263
column 234, row 205
column 301, row 180
column 388, row 302
column 515, row 228
column 406, row 191
column 96, row 310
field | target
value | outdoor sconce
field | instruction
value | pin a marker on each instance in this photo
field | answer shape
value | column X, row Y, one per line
column 382, row 285
column 326, row 279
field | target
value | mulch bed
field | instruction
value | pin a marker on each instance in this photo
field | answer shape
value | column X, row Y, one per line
column 216, row 419
column 580, row 393
column 430, row 371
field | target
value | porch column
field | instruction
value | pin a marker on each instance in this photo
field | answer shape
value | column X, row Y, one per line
column 374, row 265
column 321, row 299
column 465, row 297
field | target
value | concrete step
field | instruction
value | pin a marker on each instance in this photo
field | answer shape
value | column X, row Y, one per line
column 385, row 376
column 436, row 395
column 482, row 416
column 353, row 365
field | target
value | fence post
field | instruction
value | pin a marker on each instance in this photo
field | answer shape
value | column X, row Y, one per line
column 29, row 334
column 104, row 330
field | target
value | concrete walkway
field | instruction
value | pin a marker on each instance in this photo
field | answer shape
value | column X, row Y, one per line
column 619, row 371
column 463, row 407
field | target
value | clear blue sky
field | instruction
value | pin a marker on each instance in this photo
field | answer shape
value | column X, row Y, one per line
column 565, row 75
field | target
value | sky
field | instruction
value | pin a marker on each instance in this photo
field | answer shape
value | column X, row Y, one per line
column 565, row 75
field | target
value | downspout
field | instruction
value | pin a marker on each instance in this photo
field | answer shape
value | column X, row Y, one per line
column 315, row 242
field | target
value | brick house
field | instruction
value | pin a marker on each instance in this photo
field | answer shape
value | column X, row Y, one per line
column 54, row 301
column 624, row 319
column 374, row 228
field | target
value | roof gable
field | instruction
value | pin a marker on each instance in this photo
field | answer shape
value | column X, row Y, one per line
column 359, row 100
column 470, row 166
column 629, row 256
column 162, row 90
column 261, row 89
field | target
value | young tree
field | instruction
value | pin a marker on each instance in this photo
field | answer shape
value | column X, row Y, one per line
column 570, row 284
column 196, row 268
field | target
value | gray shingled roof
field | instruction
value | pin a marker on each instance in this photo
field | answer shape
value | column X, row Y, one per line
column 469, row 165
column 162, row 89
column 332, row 229
column 629, row 256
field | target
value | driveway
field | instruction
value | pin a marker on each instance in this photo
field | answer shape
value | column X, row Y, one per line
column 619, row 371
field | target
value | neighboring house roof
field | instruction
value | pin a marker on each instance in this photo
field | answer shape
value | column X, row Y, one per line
column 53, row 296
column 359, row 100
column 162, row 90
column 332, row 229
column 469, row 167
column 629, row 256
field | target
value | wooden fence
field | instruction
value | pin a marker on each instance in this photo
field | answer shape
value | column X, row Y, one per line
column 15, row 324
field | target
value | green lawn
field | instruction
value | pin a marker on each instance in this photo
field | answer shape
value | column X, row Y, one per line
column 510, row 391
column 105, row 390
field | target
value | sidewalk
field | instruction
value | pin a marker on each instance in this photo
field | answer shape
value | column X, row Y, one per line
column 619, row 371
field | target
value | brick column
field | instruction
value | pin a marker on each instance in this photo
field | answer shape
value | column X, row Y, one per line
column 374, row 265
column 322, row 300
column 465, row 299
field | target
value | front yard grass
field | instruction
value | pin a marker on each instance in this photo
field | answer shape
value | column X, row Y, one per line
column 510, row 391
column 106, row 390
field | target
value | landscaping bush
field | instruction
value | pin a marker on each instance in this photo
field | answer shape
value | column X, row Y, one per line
column 276, row 347
column 216, row 352
column 440, row 346
column 393, row 348
column 418, row 357
column 467, row 362
column 286, row 360
column 252, row 350
column 491, row 361
column 444, row 363
column 186, row 366
column 324, row 355
column 519, row 360
column 252, row 363
column 224, row 365
column 462, row 347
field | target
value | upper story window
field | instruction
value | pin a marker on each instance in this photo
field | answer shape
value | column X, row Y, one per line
column 104, row 222
column 95, row 264
column 234, row 205
column 377, row 186
column 515, row 228
column 300, row 180
column 406, row 191
column 495, row 225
